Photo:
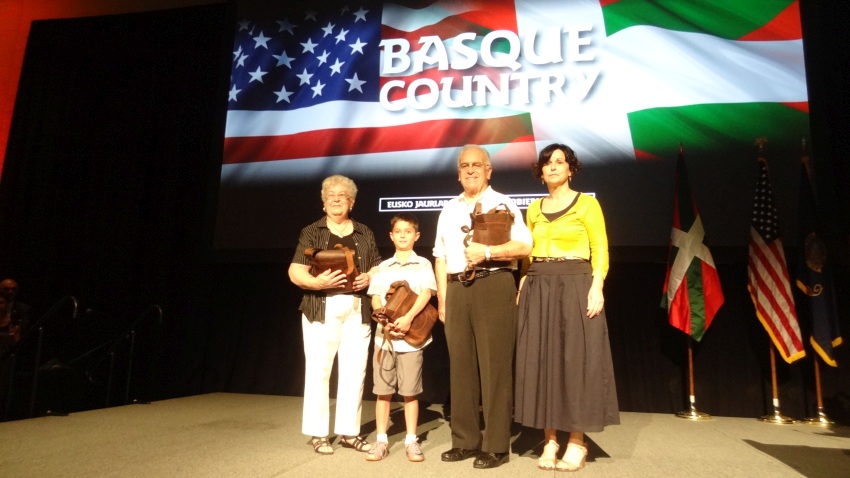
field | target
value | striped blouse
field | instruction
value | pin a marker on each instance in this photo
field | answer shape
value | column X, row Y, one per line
column 317, row 236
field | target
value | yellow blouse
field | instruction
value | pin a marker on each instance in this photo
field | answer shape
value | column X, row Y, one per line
column 580, row 232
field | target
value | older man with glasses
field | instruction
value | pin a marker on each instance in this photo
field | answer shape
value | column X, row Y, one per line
column 479, row 315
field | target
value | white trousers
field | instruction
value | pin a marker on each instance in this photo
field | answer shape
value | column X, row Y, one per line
column 344, row 335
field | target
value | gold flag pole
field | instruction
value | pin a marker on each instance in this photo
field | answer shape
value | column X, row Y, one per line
column 820, row 420
column 692, row 413
column 776, row 418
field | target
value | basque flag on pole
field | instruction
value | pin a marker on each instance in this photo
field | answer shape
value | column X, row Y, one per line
column 692, row 292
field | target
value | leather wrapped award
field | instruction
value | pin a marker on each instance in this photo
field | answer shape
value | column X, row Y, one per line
column 491, row 228
column 400, row 299
column 340, row 258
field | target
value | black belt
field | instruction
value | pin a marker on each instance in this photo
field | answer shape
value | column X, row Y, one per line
column 557, row 259
column 479, row 274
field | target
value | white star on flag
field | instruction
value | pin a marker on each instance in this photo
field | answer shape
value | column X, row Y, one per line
column 360, row 14
column 337, row 67
column 357, row 46
column 285, row 26
column 231, row 96
column 283, row 59
column 355, row 83
column 283, row 95
column 317, row 90
column 257, row 75
column 309, row 46
column 262, row 41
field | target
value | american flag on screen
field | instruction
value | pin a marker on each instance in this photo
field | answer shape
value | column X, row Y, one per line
column 309, row 86
column 768, row 280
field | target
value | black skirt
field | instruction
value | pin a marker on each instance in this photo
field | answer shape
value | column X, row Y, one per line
column 564, row 372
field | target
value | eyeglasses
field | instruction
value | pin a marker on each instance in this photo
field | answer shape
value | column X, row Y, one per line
column 332, row 196
column 463, row 166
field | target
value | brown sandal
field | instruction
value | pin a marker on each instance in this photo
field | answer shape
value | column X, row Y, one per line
column 356, row 443
column 322, row 446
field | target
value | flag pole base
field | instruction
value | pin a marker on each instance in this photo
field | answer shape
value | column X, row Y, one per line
column 777, row 419
column 693, row 414
column 821, row 420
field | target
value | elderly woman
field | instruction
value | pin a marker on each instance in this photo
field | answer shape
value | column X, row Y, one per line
column 335, row 319
column 564, row 371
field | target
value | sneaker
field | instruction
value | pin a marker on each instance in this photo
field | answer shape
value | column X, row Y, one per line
column 414, row 453
column 378, row 452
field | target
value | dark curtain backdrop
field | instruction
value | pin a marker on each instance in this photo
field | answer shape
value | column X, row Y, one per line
column 111, row 176
column 112, row 159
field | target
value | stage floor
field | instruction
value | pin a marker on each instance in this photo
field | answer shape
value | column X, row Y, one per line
column 237, row 435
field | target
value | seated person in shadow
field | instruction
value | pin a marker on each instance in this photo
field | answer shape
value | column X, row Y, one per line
column 17, row 313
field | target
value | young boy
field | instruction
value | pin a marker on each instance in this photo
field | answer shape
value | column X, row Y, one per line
column 400, row 371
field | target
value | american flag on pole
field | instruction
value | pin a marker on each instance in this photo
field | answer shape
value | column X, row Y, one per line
column 767, row 270
column 692, row 292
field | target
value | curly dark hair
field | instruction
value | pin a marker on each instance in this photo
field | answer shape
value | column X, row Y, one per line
column 546, row 153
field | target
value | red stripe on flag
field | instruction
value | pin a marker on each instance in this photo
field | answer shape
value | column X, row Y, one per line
column 480, row 23
column 799, row 106
column 769, row 302
column 641, row 155
column 351, row 141
column 680, row 308
column 766, row 318
column 770, row 291
column 772, row 260
column 712, row 292
column 785, row 26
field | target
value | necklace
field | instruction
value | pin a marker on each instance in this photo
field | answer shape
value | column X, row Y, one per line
column 339, row 229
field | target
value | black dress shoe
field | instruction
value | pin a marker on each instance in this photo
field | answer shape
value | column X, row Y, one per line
column 490, row 460
column 458, row 454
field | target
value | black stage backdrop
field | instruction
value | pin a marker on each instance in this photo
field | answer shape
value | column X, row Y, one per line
column 108, row 193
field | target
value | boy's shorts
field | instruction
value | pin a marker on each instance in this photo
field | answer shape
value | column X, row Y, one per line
column 403, row 376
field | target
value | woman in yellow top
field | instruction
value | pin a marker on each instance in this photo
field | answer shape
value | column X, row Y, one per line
column 564, row 372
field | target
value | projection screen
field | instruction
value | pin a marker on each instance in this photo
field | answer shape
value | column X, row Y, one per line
column 386, row 93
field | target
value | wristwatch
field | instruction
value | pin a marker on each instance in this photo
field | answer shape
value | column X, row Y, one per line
column 487, row 253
